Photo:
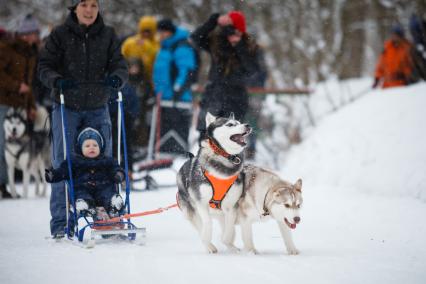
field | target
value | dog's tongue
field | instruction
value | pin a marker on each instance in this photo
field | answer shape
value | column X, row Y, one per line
column 239, row 138
column 291, row 225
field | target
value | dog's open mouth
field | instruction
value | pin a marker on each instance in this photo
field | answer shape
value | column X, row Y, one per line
column 240, row 139
column 291, row 225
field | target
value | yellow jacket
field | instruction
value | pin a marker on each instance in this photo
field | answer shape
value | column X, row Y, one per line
column 143, row 48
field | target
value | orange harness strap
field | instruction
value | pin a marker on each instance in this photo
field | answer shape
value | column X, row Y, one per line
column 220, row 188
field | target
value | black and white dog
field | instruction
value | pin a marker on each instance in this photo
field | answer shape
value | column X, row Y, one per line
column 26, row 150
column 211, row 183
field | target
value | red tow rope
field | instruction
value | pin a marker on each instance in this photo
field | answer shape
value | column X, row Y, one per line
column 140, row 214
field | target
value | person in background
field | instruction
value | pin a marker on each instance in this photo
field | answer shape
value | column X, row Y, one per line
column 418, row 33
column 395, row 65
column 173, row 66
column 140, row 51
column 3, row 33
column 131, row 107
column 81, row 59
column 18, row 58
column 144, row 46
column 234, row 58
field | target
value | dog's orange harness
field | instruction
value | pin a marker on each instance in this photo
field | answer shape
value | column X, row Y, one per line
column 220, row 188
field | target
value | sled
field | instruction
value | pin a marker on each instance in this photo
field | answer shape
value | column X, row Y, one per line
column 119, row 226
column 152, row 161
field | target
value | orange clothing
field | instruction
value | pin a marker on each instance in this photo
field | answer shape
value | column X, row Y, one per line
column 394, row 67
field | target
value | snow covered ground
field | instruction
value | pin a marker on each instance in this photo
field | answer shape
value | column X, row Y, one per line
column 364, row 172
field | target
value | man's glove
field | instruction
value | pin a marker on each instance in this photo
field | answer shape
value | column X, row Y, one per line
column 113, row 81
column 118, row 177
column 376, row 83
column 48, row 174
column 65, row 84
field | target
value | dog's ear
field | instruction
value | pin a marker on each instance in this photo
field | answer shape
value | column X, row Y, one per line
column 298, row 185
column 209, row 118
column 231, row 116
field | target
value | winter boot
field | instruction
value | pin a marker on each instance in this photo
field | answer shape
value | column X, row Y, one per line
column 4, row 193
column 117, row 206
column 58, row 236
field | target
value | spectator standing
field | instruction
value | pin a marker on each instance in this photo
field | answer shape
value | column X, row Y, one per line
column 418, row 32
column 144, row 46
column 394, row 67
column 140, row 51
column 234, row 58
column 175, row 63
column 18, row 58
column 81, row 59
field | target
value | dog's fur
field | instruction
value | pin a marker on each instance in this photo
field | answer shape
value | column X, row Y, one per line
column 267, row 195
column 26, row 150
column 195, row 191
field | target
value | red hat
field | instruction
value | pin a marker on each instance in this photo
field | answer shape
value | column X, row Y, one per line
column 238, row 20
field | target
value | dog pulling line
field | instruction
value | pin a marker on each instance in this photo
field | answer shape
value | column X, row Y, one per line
column 140, row 214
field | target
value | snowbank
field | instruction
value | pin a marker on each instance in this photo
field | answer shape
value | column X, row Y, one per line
column 375, row 145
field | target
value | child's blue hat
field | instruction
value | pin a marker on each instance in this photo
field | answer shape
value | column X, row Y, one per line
column 90, row 133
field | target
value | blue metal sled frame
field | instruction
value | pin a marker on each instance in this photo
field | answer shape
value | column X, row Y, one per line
column 131, row 229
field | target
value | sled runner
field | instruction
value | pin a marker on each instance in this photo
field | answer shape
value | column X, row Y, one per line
column 105, row 228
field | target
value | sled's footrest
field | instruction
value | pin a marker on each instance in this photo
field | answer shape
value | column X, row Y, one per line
column 119, row 231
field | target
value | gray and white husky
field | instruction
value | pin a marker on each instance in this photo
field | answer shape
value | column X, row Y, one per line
column 26, row 151
column 267, row 195
column 210, row 184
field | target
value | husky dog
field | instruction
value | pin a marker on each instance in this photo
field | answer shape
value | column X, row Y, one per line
column 267, row 195
column 210, row 184
column 25, row 151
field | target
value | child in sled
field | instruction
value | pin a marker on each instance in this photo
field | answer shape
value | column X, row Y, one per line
column 94, row 176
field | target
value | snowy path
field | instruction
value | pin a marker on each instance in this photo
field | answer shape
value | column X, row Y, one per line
column 342, row 239
column 367, row 227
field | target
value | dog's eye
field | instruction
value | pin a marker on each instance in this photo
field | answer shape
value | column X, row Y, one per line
column 298, row 205
column 287, row 206
column 229, row 124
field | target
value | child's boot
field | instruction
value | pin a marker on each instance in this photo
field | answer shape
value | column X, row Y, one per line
column 117, row 206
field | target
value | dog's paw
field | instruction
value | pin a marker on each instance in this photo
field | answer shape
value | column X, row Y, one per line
column 292, row 251
column 232, row 248
column 211, row 248
column 252, row 251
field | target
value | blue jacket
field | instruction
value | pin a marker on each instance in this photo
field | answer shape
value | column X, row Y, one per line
column 184, row 60
column 93, row 174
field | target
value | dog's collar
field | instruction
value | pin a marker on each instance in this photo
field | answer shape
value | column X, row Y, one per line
column 265, row 209
column 219, row 151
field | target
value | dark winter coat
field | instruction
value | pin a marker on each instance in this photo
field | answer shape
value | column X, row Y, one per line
column 231, row 66
column 92, row 174
column 17, row 65
column 86, row 55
